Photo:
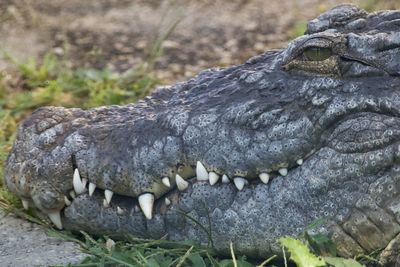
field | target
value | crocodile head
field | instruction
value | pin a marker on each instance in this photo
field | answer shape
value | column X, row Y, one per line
column 244, row 154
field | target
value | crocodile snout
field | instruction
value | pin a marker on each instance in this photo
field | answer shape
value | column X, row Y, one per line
column 40, row 164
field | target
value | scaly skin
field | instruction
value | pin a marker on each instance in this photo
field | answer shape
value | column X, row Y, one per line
column 332, row 122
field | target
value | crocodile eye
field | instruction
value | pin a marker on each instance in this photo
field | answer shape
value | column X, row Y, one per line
column 317, row 53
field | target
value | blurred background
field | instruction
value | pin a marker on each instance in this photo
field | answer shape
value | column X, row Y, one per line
column 121, row 34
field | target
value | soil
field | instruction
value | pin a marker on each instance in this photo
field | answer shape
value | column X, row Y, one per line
column 119, row 35
column 26, row 244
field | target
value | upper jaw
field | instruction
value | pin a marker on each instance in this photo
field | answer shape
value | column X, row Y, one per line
column 50, row 186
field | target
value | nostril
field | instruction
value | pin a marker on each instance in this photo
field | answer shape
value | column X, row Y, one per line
column 45, row 118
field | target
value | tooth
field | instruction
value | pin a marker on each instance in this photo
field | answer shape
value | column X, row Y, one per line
column 110, row 244
column 84, row 182
column 67, row 201
column 283, row 171
column 299, row 161
column 137, row 209
column 166, row 182
column 167, row 201
column 105, row 204
column 264, row 177
column 213, row 178
column 181, row 183
column 108, row 194
column 201, row 172
column 55, row 217
column 225, row 179
column 120, row 211
column 146, row 202
column 77, row 182
column 239, row 182
column 72, row 194
column 25, row 204
column 92, row 187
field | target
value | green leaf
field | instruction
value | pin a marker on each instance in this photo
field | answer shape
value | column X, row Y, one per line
column 152, row 263
column 197, row 260
column 315, row 224
column 240, row 263
column 321, row 244
column 300, row 253
column 340, row 262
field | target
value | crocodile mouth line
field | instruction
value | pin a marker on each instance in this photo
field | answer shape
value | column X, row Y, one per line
column 198, row 173
column 147, row 201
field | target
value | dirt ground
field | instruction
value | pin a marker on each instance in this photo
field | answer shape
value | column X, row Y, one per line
column 25, row 244
column 119, row 34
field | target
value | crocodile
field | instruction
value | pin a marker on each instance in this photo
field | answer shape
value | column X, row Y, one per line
column 240, row 155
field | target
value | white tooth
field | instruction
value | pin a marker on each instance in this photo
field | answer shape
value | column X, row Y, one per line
column 146, row 202
column 283, row 171
column 72, row 194
column 299, row 161
column 77, row 182
column 167, row 201
column 225, row 179
column 166, row 182
column 92, row 187
column 108, row 194
column 137, row 209
column 264, row 177
column 201, row 172
column 213, row 178
column 67, row 201
column 181, row 183
column 110, row 244
column 105, row 203
column 239, row 182
column 120, row 211
column 55, row 217
column 25, row 204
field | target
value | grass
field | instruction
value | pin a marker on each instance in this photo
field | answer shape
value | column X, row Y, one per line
column 163, row 253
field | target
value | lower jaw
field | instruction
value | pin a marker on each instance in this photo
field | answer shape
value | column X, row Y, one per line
column 254, row 218
column 200, row 204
